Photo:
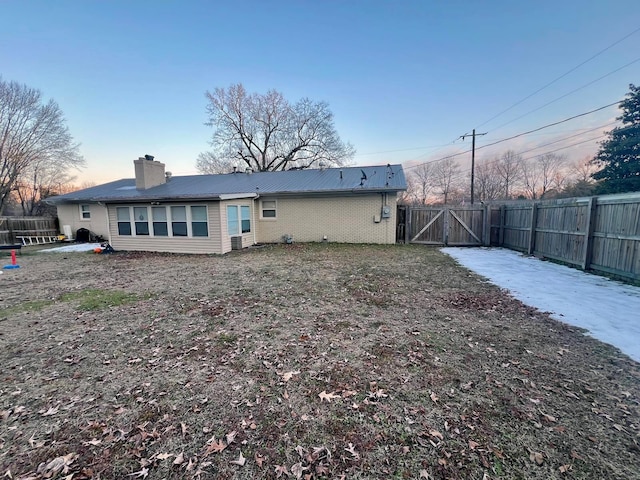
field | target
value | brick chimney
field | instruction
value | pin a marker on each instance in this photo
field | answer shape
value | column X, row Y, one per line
column 149, row 172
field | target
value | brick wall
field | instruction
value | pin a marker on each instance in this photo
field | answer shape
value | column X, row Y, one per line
column 348, row 219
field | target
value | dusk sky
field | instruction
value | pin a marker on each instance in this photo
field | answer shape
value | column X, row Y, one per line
column 404, row 79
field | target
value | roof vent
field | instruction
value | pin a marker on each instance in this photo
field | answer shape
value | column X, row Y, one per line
column 168, row 175
column 149, row 157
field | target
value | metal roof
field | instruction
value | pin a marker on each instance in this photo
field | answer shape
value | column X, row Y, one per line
column 380, row 178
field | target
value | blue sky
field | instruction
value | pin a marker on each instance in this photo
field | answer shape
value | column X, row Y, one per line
column 401, row 77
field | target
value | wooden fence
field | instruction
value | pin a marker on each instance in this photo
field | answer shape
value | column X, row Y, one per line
column 447, row 225
column 594, row 233
column 13, row 227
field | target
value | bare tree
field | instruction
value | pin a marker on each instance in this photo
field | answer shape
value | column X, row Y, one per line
column 33, row 136
column 488, row 182
column 209, row 163
column 583, row 170
column 446, row 174
column 543, row 173
column 421, row 183
column 509, row 168
column 266, row 132
column 41, row 180
column 579, row 181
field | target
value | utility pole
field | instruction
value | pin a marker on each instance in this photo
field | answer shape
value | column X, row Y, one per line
column 473, row 156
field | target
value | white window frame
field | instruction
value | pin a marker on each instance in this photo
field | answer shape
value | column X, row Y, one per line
column 275, row 209
column 83, row 211
column 239, row 208
column 167, row 208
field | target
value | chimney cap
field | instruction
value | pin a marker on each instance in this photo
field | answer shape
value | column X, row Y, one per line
column 149, row 157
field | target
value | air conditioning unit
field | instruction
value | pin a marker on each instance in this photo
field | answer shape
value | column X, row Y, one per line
column 236, row 243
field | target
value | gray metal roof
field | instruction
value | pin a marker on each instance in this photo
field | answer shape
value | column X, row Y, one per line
column 380, row 178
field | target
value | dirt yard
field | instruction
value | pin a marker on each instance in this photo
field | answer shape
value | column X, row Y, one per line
column 299, row 362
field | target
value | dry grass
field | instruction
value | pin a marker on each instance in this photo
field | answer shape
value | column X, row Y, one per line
column 307, row 361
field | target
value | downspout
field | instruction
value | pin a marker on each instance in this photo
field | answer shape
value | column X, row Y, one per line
column 255, row 222
column 108, row 222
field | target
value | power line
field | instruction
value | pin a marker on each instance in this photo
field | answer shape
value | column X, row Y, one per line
column 567, row 138
column 560, row 77
column 568, row 93
column 518, row 135
column 463, row 175
column 550, row 125
column 403, row 150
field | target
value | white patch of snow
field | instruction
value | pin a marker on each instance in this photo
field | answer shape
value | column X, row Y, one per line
column 608, row 309
column 76, row 247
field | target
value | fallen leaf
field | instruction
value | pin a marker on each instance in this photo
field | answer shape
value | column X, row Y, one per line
column 433, row 397
column 240, row 461
column 93, row 442
column 280, row 469
column 179, row 460
column 536, row 457
column 231, row 436
column 352, row 450
column 164, row 456
column 548, row 418
column 141, row 474
column 216, row 446
column 473, row 445
column 328, row 396
column 57, row 465
column 297, row 469
column 564, row 468
column 259, row 459
column 51, row 411
column 184, row 429
column 288, row 375
column 322, row 469
column 436, row 434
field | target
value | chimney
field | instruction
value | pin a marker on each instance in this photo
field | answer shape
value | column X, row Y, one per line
column 149, row 172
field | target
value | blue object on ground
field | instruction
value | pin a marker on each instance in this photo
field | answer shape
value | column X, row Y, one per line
column 9, row 267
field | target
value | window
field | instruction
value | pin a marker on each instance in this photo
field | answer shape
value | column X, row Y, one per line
column 159, row 217
column 153, row 221
column 141, row 216
column 238, row 219
column 179, row 221
column 199, row 225
column 232, row 219
column 124, row 221
column 246, row 218
column 268, row 209
column 85, row 212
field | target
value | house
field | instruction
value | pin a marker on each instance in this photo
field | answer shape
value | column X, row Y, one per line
column 156, row 211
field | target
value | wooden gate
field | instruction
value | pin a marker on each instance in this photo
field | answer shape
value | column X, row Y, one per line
column 450, row 226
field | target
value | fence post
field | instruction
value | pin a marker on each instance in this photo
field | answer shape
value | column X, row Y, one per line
column 532, row 229
column 407, row 224
column 486, row 226
column 12, row 238
column 503, row 209
column 445, row 226
column 587, row 252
